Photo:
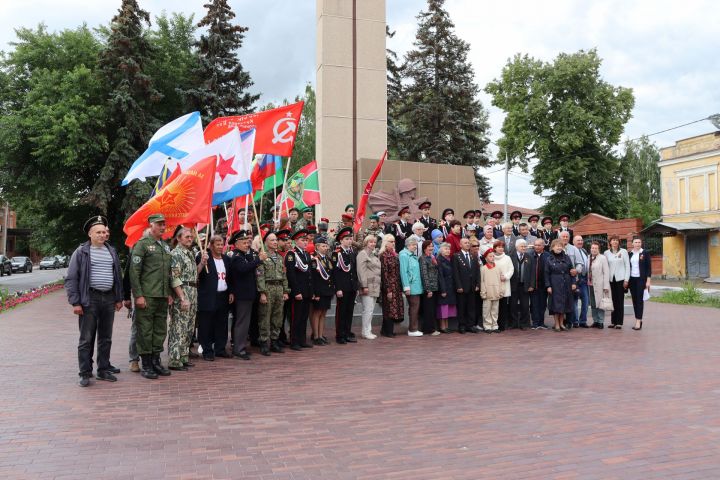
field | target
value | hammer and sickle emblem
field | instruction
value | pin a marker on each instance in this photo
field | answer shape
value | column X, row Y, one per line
column 284, row 135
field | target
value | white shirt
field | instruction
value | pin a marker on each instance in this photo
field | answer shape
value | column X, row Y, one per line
column 635, row 264
column 220, row 267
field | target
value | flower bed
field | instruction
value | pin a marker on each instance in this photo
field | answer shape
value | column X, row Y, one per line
column 9, row 301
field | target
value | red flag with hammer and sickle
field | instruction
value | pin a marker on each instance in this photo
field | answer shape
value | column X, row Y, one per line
column 275, row 129
column 184, row 201
column 360, row 214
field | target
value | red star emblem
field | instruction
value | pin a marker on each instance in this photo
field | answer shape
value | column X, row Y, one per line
column 167, row 198
column 224, row 168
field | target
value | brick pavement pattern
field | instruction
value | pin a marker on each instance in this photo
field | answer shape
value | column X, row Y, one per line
column 587, row 404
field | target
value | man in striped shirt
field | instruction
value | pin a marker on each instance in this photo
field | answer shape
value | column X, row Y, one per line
column 94, row 289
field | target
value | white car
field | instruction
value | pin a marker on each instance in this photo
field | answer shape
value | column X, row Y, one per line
column 49, row 262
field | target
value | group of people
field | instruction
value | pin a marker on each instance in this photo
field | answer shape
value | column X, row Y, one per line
column 439, row 274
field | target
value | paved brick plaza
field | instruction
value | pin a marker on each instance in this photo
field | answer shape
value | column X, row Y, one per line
column 581, row 405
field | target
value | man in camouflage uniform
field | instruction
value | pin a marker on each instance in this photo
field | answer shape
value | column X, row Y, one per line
column 374, row 230
column 306, row 220
column 182, row 316
column 150, row 282
column 273, row 288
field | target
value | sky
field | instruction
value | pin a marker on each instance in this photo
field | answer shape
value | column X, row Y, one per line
column 665, row 50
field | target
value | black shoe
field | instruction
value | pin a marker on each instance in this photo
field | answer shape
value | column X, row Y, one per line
column 639, row 328
column 147, row 367
column 188, row 364
column 265, row 349
column 157, row 366
column 297, row 348
column 523, row 328
column 351, row 335
column 223, row 355
column 84, row 382
column 318, row 341
column 461, row 330
column 243, row 355
column 107, row 376
column 599, row 326
column 340, row 341
column 306, row 345
column 351, row 339
column 325, row 340
column 208, row 358
column 181, row 368
column 113, row 369
column 583, row 325
column 275, row 347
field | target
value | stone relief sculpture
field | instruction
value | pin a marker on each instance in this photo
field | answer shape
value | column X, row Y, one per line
column 405, row 194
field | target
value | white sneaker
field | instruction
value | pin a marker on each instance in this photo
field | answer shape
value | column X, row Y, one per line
column 370, row 336
column 435, row 333
column 416, row 333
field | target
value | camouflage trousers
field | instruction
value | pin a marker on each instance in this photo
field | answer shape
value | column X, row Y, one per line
column 181, row 327
column 270, row 314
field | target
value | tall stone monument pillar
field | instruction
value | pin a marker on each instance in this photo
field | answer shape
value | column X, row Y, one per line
column 351, row 112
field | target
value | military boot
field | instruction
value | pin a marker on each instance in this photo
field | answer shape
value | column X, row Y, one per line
column 157, row 366
column 264, row 349
column 147, row 368
column 276, row 347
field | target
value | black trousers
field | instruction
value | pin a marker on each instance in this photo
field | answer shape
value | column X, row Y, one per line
column 298, row 321
column 504, row 313
column 344, row 314
column 213, row 327
column 96, row 320
column 519, row 308
column 637, row 288
column 538, row 304
column 428, row 312
column 617, row 292
column 466, row 310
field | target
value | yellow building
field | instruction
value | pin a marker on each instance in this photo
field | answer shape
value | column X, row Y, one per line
column 690, row 182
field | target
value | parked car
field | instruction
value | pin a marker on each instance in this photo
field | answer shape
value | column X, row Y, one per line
column 63, row 259
column 49, row 262
column 23, row 264
column 5, row 265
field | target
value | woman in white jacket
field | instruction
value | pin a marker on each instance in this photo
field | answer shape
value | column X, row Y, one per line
column 599, row 283
column 504, row 264
column 619, row 265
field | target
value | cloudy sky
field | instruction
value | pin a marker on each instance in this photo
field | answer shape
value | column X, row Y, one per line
column 666, row 51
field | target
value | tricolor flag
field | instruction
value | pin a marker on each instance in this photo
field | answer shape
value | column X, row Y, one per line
column 174, row 141
column 232, row 177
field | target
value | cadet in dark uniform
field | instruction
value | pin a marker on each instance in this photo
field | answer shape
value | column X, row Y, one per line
column 150, row 281
column 298, row 268
column 429, row 222
column 498, row 231
column 448, row 215
column 564, row 219
column 346, row 281
column 548, row 235
column 402, row 229
column 534, row 229
column 515, row 218
column 323, row 288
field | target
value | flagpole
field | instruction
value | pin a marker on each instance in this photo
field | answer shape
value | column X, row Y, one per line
column 257, row 224
column 275, row 219
column 282, row 195
column 227, row 236
column 202, row 250
column 262, row 198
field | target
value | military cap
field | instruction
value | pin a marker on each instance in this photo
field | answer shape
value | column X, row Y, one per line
column 96, row 220
column 307, row 210
column 478, row 213
column 294, row 209
column 311, row 229
column 469, row 214
column 516, row 214
column 374, row 217
column 240, row 235
column 496, row 214
column 349, row 206
column 283, row 234
column 564, row 217
column 381, row 214
column 266, row 233
column 320, row 239
column 302, row 233
column 446, row 211
column 403, row 210
column 325, row 220
column 425, row 204
column 344, row 232
column 156, row 217
column 547, row 220
column 534, row 218
column 347, row 216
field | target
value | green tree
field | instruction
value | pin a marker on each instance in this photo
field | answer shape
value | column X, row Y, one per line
column 641, row 179
column 441, row 117
column 52, row 132
column 394, row 95
column 566, row 117
column 220, row 83
column 132, row 95
column 172, row 62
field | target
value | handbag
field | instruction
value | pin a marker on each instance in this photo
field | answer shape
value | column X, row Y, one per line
column 606, row 304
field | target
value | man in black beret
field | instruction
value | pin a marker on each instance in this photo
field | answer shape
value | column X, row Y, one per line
column 94, row 289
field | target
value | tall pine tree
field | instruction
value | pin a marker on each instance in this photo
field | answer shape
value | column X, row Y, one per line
column 123, row 65
column 443, row 120
column 221, row 83
column 394, row 95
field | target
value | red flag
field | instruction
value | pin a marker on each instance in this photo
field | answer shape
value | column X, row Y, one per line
column 275, row 129
column 362, row 206
column 186, row 200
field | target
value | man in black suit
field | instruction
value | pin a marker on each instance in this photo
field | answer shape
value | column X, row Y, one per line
column 520, row 284
column 214, row 299
column 298, row 268
column 429, row 222
column 538, row 292
column 465, row 273
column 346, row 281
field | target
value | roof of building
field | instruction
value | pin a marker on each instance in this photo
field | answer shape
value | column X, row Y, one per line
column 488, row 208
